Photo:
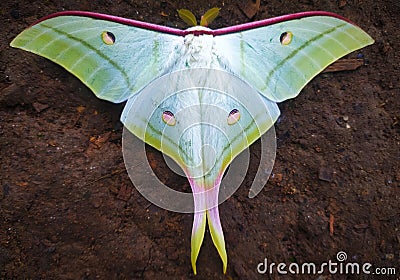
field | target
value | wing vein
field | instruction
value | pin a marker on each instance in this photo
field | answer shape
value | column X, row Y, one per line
column 95, row 50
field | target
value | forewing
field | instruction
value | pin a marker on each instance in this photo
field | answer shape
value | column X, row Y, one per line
column 280, row 59
column 114, row 65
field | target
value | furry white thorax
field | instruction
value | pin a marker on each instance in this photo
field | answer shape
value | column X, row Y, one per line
column 199, row 50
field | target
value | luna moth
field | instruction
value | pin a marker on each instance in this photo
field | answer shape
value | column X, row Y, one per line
column 119, row 58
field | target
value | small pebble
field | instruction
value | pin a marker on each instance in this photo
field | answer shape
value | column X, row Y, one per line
column 389, row 256
column 325, row 174
column 276, row 177
column 15, row 14
column 6, row 189
column 360, row 55
column 342, row 3
column 39, row 107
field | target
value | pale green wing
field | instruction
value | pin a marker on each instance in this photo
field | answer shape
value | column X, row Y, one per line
column 114, row 60
column 280, row 59
column 200, row 99
column 201, row 118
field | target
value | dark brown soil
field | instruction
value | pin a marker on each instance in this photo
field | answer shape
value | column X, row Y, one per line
column 69, row 211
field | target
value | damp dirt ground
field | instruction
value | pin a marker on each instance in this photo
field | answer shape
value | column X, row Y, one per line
column 68, row 209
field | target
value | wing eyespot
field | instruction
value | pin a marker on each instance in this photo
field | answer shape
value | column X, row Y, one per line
column 108, row 37
column 168, row 118
column 233, row 117
column 286, row 38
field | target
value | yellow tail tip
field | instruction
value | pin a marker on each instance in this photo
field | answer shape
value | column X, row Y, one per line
column 194, row 268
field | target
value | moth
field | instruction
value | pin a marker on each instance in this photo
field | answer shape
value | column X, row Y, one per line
column 119, row 58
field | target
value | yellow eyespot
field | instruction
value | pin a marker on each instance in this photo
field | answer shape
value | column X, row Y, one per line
column 108, row 38
column 286, row 38
column 169, row 118
column 233, row 117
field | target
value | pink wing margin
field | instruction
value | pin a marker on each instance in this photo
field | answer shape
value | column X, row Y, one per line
column 179, row 32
